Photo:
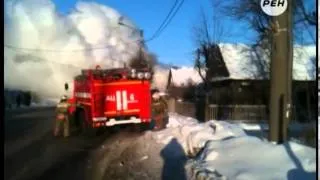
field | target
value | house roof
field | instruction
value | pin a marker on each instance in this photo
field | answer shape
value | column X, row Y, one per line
column 184, row 75
column 240, row 65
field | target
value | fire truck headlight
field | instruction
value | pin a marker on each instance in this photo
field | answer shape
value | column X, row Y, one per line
column 140, row 75
column 147, row 75
column 133, row 75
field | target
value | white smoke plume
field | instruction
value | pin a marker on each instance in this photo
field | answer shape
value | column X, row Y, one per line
column 36, row 25
column 160, row 78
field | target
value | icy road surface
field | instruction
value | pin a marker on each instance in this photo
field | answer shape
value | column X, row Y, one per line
column 32, row 153
column 216, row 149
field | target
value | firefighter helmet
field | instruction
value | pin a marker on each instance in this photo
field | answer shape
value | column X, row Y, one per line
column 155, row 94
column 63, row 98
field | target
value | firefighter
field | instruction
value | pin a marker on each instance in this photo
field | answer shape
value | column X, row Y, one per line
column 159, row 109
column 62, row 117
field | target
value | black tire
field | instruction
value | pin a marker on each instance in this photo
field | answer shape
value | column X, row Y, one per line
column 81, row 122
column 148, row 126
column 134, row 127
column 144, row 127
column 86, row 128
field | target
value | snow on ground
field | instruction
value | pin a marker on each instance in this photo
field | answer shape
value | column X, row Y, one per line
column 192, row 135
column 265, row 126
column 224, row 148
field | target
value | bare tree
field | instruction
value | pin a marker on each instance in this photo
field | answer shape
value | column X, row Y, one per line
column 209, row 60
column 143, row 60
column 249, row 11
column 304, row 15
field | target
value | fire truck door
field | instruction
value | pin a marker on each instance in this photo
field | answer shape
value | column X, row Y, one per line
column 99, row 104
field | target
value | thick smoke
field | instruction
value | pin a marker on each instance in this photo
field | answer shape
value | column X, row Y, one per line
column 36, row 25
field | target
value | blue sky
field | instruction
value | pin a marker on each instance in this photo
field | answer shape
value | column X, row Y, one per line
column 175, row 44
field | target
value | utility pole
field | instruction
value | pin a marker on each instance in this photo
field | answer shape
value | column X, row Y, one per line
column 141, row 43
column 281, row 76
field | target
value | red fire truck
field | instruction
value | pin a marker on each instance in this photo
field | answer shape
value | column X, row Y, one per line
column 108, row 97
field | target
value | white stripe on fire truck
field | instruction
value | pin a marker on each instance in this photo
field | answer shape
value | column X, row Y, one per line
column 83, row 95
column 125, row 100
column 99, row 118
column 118, row 100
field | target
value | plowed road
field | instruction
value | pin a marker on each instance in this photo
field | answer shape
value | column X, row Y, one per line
column 32, row 153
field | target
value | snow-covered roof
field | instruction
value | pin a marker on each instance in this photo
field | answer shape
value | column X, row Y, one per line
column 239, row 61
column 239, row 65
column 184, row 75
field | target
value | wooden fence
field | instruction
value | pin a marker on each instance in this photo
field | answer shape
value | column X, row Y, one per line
column 237, row 112
column 252, row 113
column 219, row 112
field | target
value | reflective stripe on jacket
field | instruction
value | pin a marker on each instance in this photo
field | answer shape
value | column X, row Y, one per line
column 159, row 106
column 63, row 107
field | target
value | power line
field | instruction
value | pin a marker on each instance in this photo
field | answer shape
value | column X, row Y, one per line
column 165, row 19
column 161, row 28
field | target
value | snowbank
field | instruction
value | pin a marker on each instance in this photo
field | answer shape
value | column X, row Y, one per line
column 193, row 135
column 249, row 158
column 224, row 151
column 294, row 126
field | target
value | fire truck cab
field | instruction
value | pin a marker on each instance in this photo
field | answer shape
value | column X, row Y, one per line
column 109, row 97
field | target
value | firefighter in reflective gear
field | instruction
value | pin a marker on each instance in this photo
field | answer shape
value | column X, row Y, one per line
column 159, row 110
column 62, row 118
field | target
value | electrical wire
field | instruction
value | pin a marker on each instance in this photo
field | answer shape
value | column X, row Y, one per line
column 165, row 19
column 160, row 30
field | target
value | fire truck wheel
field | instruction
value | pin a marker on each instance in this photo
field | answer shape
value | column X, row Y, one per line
column 87, row 130
column 135, row 127
column 146, row 126
column 142, row 127
column 84, row 128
